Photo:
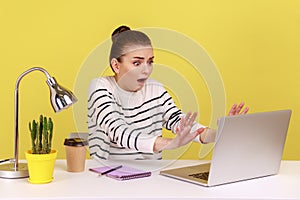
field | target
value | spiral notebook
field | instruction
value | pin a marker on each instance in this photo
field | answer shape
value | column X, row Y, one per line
column 123, row 173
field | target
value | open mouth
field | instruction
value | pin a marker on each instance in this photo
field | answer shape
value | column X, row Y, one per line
column 142, row 80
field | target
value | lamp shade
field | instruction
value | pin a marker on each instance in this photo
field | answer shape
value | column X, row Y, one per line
column 60, row 97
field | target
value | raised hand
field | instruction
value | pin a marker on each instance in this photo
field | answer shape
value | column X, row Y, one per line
column 183, row 132
column 238, row 109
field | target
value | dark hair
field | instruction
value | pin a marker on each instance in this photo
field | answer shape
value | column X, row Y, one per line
column 124, row 37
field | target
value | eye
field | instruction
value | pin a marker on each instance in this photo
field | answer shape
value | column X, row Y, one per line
column 136, row 63
column 150, row 62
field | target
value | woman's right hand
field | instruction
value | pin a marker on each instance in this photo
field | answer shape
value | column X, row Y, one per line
column 183, row 134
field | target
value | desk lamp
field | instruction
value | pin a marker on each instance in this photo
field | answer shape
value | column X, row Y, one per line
column 60, row 97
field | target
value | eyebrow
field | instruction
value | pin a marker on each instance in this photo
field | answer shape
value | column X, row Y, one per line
column 142, row 58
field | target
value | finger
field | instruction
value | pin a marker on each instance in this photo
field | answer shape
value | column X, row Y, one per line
column 239, row 108
column 232, row 110
column 177, row 129
column 200, row 130
column 192, row 119
column 182, row 122
column 197, row 132
column 187, row 119
column 245, row 111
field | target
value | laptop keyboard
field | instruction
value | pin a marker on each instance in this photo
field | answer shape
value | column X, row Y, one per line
column 201, row 175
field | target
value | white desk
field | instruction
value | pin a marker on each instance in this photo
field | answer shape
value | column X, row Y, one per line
column 87, row 185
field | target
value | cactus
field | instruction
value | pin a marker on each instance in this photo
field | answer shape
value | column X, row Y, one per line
column 33, row 131
column 41, row 135
column 50, row 128
column 45, row 135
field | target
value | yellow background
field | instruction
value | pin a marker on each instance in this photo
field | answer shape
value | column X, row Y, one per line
column 255, row 45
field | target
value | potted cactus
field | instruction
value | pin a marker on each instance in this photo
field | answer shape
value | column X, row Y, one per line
column 41, row 158
column 41, row 135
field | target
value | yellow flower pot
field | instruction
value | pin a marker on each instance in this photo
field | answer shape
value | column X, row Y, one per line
column 41, row 166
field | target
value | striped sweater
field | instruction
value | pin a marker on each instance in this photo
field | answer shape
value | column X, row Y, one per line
column 125, row 125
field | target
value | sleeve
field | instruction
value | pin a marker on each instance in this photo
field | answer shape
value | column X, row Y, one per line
column 173, row 115
column 105, row 112
column 99, row 142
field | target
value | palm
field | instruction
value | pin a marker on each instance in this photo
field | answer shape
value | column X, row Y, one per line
column 183, row 131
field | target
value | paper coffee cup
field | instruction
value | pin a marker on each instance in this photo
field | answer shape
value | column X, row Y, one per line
column 75, row 154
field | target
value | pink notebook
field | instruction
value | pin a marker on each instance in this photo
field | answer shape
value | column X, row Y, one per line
column 123, row 173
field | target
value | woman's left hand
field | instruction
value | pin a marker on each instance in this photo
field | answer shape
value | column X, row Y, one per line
column 209, row 134
column 238, row 109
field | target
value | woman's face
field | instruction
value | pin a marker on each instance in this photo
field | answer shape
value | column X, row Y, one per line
column 134, row 67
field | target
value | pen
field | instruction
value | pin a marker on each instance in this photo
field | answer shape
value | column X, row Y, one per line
column 8, row 159
column 110, row 170
column 5, row 160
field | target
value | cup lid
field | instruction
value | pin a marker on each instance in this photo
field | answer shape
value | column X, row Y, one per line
column 77, row 142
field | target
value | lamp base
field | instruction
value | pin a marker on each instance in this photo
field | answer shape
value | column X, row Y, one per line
column 8, row 171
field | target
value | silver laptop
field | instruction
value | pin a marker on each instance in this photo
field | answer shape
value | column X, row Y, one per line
column 247, row 147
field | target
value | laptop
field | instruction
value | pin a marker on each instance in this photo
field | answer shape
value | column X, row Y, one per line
column 246, row 147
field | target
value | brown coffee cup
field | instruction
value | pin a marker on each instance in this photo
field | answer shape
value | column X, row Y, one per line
column 75, row 154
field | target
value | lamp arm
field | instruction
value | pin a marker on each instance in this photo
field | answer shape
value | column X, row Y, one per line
column 16, row 150
column 28, row 71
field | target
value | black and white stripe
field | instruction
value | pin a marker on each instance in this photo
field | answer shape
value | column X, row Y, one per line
column 121, row 123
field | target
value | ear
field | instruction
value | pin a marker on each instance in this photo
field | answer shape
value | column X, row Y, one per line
column 115, row 65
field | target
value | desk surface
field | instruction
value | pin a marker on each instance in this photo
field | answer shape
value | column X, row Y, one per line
column 87, row 185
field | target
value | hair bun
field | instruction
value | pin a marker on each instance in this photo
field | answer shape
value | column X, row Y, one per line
column 119, row 30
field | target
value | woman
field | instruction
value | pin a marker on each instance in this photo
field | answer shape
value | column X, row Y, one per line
column 127, row 111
